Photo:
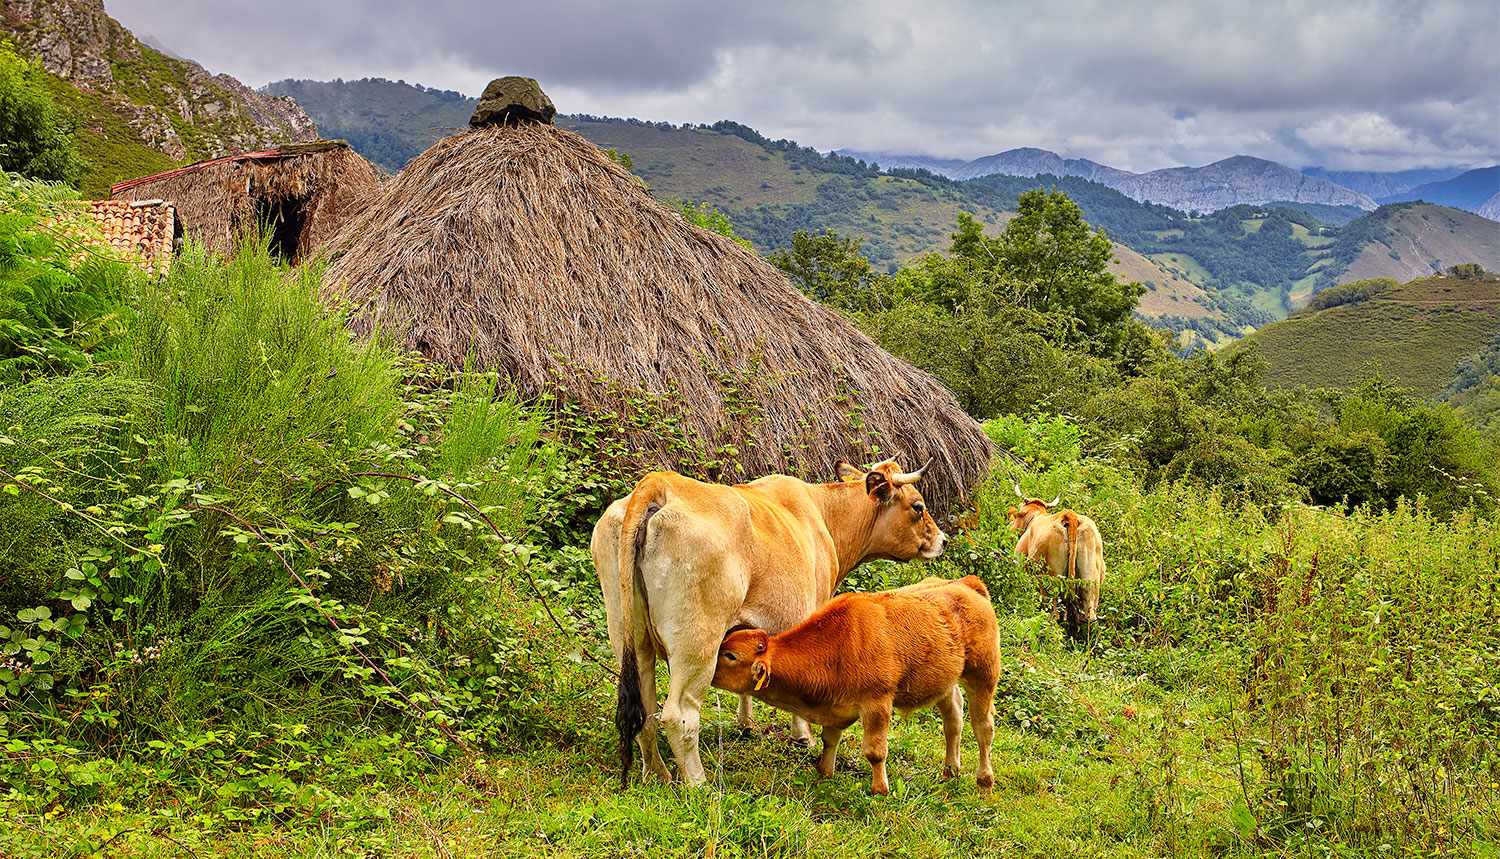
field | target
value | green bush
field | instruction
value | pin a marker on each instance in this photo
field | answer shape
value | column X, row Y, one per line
column 35, row 139
column 60, row 300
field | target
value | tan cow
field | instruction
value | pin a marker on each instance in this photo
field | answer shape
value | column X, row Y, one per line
column 863, row 655
column 681, row 561
column 1070, row 546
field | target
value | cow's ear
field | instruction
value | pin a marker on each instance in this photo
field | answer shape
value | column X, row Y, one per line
column 878, row 486
column 848, row 473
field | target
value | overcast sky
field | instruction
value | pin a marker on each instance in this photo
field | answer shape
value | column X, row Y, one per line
column 1385, row 84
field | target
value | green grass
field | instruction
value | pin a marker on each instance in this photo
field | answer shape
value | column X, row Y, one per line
column 1183, row 265
column 764, row 797
column 1415, row 334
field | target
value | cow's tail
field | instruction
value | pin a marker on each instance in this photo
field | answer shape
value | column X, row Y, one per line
column 630, row 710
column 1075, row 593
column 1070, row 530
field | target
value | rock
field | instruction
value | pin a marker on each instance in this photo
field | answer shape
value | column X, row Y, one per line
column 510, row 100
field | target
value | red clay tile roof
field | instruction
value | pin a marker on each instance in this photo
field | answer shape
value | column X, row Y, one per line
column 143, row 231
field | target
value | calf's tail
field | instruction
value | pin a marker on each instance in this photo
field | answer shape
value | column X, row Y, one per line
column 630, row 709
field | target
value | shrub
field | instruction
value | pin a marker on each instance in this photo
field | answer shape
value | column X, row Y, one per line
column 59, row 300
column 35, row 139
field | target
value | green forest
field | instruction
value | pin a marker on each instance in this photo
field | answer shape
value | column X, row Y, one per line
column 270, row 589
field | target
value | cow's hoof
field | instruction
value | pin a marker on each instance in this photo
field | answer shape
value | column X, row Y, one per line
column 802, row 742
column 986, row 781
column 949, row 771
column 880, row 790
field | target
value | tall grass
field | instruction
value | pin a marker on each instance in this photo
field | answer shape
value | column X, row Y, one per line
column 258, row 385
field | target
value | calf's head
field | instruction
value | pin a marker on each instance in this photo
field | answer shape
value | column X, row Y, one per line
column 1020, row 517
column 903, row 528
column 744, row 665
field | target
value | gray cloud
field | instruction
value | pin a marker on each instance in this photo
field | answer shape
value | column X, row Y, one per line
column 1377, row 84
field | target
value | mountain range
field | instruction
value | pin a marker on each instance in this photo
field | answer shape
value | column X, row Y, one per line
column 1233, row 181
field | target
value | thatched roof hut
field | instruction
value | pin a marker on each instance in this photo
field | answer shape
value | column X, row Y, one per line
column 304, row 192
column 525, row 246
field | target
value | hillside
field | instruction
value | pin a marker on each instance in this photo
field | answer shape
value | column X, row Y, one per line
column 1409, row 240
column 138, row 110
column 1415, row 333
column 768, row 189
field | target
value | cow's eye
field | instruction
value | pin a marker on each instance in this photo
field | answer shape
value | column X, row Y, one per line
column 729, row 654
column 918, row 507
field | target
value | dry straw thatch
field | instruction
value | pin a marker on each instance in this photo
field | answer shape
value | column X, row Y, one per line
column 308, row 191
column 526, row 247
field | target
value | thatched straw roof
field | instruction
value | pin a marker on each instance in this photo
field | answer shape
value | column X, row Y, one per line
column 309, row 189
column 527, row 247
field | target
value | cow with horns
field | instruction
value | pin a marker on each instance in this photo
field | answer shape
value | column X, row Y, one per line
column 1070, row 547
column 681, row 561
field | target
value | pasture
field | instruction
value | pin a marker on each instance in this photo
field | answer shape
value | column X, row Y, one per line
column 269, row 589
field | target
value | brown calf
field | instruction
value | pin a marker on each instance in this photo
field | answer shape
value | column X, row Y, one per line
column 864, row 654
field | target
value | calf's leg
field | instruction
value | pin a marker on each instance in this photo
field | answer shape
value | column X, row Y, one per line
column 876, row 721
column 743, row 717
column 951, row 706
column 830, row 754
column 801, row 732
column 982, row 717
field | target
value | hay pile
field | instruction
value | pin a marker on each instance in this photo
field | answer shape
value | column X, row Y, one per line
column 222, row 199
column 527, row 247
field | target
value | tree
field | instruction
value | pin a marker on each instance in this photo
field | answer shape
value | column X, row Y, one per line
column 707, row 217
column 1054, row 262
column 35, row 139
column 829, row 268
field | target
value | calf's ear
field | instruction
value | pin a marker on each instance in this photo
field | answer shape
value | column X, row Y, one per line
column 878, row 486
column 760, row 672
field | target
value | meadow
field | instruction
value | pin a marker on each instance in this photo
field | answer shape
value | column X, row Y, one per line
column 269, row 590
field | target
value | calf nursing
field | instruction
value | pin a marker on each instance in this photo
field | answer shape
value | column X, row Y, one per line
column 863, row 655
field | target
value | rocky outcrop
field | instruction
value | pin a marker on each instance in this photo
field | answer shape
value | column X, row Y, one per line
column 1490, row 208
column 1235, row 181
column 175, row 106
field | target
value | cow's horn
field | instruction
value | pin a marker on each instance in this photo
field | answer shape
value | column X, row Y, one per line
column 1053, row 502
column 911, row 476
column 1017, row 487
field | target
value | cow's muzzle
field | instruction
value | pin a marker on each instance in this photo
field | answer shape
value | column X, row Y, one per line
column 934, row 547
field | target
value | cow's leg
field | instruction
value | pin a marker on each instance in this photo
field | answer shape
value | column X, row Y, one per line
column 876, row 722
column 951, row 706
column 801, row 732
column 744, row 717
column 830, row 754
column 691, row 670
column 982, row 716
column 645, row 667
